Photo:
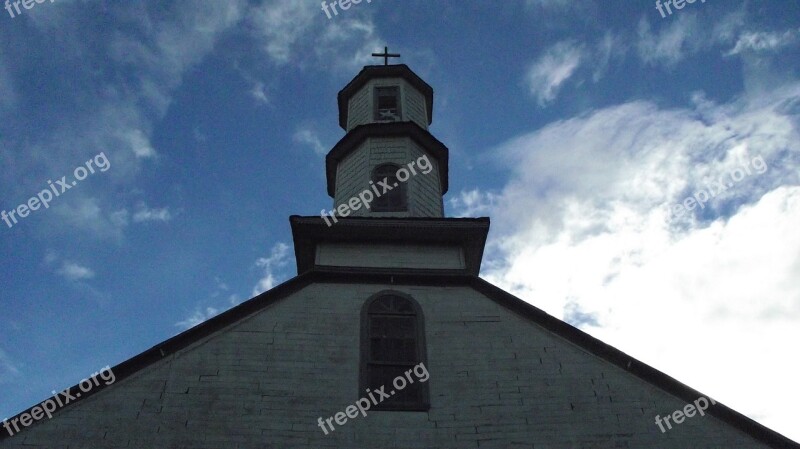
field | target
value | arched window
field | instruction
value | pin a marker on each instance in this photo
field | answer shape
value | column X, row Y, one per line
column 392, row 344
column 393, row 200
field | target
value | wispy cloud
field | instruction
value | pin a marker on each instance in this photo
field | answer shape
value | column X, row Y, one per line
column 281, row 25
column 203, row 311
column 113, row 114
column 288, row 35
column 547, row 74
column 273, row 267
column 72, row 271
column 763, row 41
column 669, row 46
column 199, row 316
column 145, row 214
column 139, row 143
column 472, row 203
column 308, row 137
column 273, row 272
column 85, row 213
column 259, row 92
column 610, row 48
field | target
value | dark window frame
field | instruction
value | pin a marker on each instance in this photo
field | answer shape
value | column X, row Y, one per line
column 423, row 402
column 384, row 91
column 395, row 200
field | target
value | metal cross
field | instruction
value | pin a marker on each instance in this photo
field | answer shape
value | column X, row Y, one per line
column 386, row 55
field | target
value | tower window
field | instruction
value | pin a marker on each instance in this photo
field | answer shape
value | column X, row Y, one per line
column 387, row 104
column 393, row 342
column 392, row 200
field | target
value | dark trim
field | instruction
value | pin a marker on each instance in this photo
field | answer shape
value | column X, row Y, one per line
column 422, row 353
column 382, row 71
column 357, row 135
column 525, row 310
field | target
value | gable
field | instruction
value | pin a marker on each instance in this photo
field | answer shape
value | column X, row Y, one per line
column 502, row 374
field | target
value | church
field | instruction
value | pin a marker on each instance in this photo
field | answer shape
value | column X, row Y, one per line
column 387, row 337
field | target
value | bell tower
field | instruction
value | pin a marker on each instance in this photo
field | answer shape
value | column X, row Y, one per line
column 387, row 177
column 386, row 110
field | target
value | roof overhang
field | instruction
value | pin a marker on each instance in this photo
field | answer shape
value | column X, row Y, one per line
column 383, row 71
column 357, row 135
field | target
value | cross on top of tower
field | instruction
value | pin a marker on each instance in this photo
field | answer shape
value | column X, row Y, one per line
column 386, row 55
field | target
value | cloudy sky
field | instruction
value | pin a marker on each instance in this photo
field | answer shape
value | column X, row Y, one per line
column 642, row 172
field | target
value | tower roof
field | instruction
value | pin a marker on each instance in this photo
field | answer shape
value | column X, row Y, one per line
column 383, row 71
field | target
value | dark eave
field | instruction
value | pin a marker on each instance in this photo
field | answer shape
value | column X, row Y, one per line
column 467, row 233
column 357, row 135
column 383, row 71
column 406, row 277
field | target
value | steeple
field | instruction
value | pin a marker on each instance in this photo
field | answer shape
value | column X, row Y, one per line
column 387, row 177
column 386, row 110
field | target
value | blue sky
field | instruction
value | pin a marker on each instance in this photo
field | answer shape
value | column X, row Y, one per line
column 576, row 126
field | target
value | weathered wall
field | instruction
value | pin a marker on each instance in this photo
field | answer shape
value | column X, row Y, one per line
column 423, row 189
column 412, row 103
column 496, row 381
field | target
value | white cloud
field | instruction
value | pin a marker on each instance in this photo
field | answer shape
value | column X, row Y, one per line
column 725, row 29
column 272, row 266
column 85, row 213
column 50, row 256
column 472, row 203
column 145, row 214
column 348, row 45
column 221, row 285
column 547, row 74
column 710, row 299
column 197, row 317
column 763, row 41
column 288, row 34
column 169, row 48
column 307, row 136
column 139, row 144
column 234, row 299
column 119, row 218
column 681, row 37
column 155, row 50
column 71, row 271
column 281, row 24
column 259, row 92
column 205, row 312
